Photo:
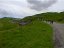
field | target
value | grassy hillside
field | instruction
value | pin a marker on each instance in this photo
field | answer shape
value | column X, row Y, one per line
column 6, row 24
column 54, row 16
column 34, row 35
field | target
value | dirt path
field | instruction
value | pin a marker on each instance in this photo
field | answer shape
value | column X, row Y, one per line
column 58, row 35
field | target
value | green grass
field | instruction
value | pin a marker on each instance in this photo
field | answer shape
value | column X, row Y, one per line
column 34, row 35
column 6, row 24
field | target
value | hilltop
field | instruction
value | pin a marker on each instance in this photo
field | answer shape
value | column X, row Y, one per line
column 54, row 16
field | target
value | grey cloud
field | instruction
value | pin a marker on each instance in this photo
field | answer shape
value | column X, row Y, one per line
column 4, row 13
column 41, row 5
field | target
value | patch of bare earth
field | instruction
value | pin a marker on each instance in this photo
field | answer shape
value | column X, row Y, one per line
column 58, row 35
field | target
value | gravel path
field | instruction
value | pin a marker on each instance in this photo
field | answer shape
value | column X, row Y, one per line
column 58, row 35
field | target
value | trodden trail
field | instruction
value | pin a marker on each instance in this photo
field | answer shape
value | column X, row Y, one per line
column 58, row 34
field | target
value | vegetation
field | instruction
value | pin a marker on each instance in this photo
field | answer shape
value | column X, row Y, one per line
column 37, row 34
column 54, row 16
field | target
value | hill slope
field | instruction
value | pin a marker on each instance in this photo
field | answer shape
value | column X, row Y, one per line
column 34, row 35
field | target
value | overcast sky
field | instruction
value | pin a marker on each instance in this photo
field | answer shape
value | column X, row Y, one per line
column 22, row 8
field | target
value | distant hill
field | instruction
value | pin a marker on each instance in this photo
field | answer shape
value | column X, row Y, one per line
column 57, row 17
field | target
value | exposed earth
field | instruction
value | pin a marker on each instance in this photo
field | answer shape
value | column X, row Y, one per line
column 58, row 34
